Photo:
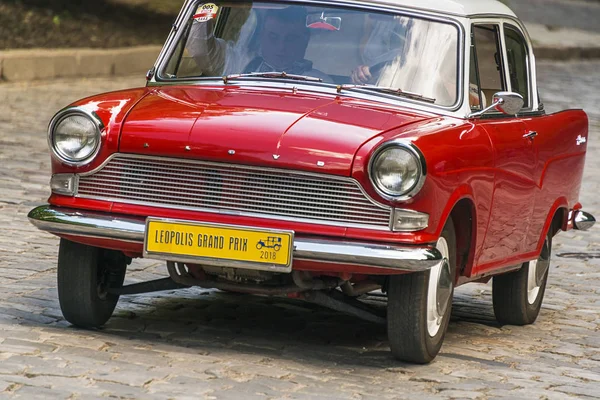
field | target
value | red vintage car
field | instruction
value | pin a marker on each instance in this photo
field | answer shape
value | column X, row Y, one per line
column 322, row 150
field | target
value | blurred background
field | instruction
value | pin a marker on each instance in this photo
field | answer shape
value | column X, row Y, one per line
column 122, row 23
column 85, row 23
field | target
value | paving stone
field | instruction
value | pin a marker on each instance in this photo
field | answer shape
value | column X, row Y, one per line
column 17, row 346
column 30, row 392
column 208, row 344
column 583, row 390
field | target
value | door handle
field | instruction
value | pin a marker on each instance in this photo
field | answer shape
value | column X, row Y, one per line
column 530, row 135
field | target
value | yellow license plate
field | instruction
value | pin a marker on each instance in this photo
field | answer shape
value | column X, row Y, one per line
column 221, row 245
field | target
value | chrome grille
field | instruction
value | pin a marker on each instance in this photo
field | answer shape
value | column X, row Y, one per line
column 252, row 191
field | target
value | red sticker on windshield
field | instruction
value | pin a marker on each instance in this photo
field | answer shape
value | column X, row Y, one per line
column 206, row 12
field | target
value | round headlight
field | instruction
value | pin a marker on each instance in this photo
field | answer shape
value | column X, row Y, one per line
column 75, row 137
column 397, row 171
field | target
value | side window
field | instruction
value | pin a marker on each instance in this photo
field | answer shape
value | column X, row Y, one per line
column 517, row 59
column 487, row 64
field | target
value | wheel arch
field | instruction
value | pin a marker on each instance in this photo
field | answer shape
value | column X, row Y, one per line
column 464, row 219
column 555, row 221
column 461, row 208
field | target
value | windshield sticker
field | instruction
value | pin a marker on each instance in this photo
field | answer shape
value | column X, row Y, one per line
column 206, row 12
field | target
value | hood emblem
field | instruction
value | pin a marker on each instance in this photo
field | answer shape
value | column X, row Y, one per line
column 276, row 156
column 580, row 140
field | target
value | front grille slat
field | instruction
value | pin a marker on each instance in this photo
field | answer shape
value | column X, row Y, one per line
column 213, row 199
column 208, row 186
column 209, row 174
column 284, row 187
column 325, row 216
column 237, row 192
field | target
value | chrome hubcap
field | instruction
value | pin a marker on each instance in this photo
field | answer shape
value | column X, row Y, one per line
column 439, row 290
column 536, row 273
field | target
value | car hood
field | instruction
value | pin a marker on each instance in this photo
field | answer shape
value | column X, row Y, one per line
column 270, row 128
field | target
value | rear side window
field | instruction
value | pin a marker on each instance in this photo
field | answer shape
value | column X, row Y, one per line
column 517, row 59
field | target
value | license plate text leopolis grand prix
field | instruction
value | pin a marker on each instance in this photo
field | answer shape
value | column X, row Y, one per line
column 218, row 242
column 200, row 240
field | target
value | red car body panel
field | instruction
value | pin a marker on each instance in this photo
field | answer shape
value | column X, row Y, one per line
column 300, row 128
column 512, row 185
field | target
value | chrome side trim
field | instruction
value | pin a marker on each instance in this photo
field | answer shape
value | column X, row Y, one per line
column 67, row 221
column 583, row 220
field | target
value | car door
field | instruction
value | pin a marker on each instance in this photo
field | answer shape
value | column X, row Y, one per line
column 558, row 139
column 514, row 184
column 518, row 68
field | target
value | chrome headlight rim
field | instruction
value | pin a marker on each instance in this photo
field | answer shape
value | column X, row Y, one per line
column 415, row 152
column 65, row 113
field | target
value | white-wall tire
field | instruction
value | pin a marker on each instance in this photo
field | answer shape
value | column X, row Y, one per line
column 518, row 295
column 420, row 304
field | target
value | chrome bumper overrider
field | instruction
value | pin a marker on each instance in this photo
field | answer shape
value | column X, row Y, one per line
column 67, row 221
column 583, row 220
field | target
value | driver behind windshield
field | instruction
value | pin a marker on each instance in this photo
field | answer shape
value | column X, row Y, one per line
column 283, row 39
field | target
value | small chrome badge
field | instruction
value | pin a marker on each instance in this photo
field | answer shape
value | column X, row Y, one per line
column 276, row 156
column 581, row 140
column 320, row 164
column 231, row 152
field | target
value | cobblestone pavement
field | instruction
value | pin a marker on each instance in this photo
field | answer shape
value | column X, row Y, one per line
column 214, row 345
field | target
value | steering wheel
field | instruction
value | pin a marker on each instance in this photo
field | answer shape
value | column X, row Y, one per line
column 374, row 71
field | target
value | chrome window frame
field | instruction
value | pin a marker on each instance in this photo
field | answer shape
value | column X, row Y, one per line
column 187, row 10
column 527, row 62
column 518, row 26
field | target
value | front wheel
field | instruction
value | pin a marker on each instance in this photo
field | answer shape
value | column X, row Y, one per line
column 420, row 303
column 517, row 296
column 85, row 274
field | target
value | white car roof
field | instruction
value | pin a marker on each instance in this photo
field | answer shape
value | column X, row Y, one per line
column 462, row 8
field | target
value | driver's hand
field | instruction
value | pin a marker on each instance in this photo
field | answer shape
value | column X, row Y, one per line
column 361, row 75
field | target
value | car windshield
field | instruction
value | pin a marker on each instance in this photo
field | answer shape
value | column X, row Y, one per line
column 348, row 47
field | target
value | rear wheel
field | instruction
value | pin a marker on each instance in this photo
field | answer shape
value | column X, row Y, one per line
column 419, row 305
column 85, row 274
column 518, row 295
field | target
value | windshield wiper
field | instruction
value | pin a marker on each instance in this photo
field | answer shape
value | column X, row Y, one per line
column 273, row 74
column 390, row 90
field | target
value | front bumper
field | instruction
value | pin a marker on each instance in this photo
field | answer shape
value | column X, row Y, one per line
column 65, row 221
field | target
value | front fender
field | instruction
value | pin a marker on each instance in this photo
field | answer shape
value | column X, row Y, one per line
column 111, row 108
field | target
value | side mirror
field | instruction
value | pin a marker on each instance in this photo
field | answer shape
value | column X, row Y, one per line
column 509, row 103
